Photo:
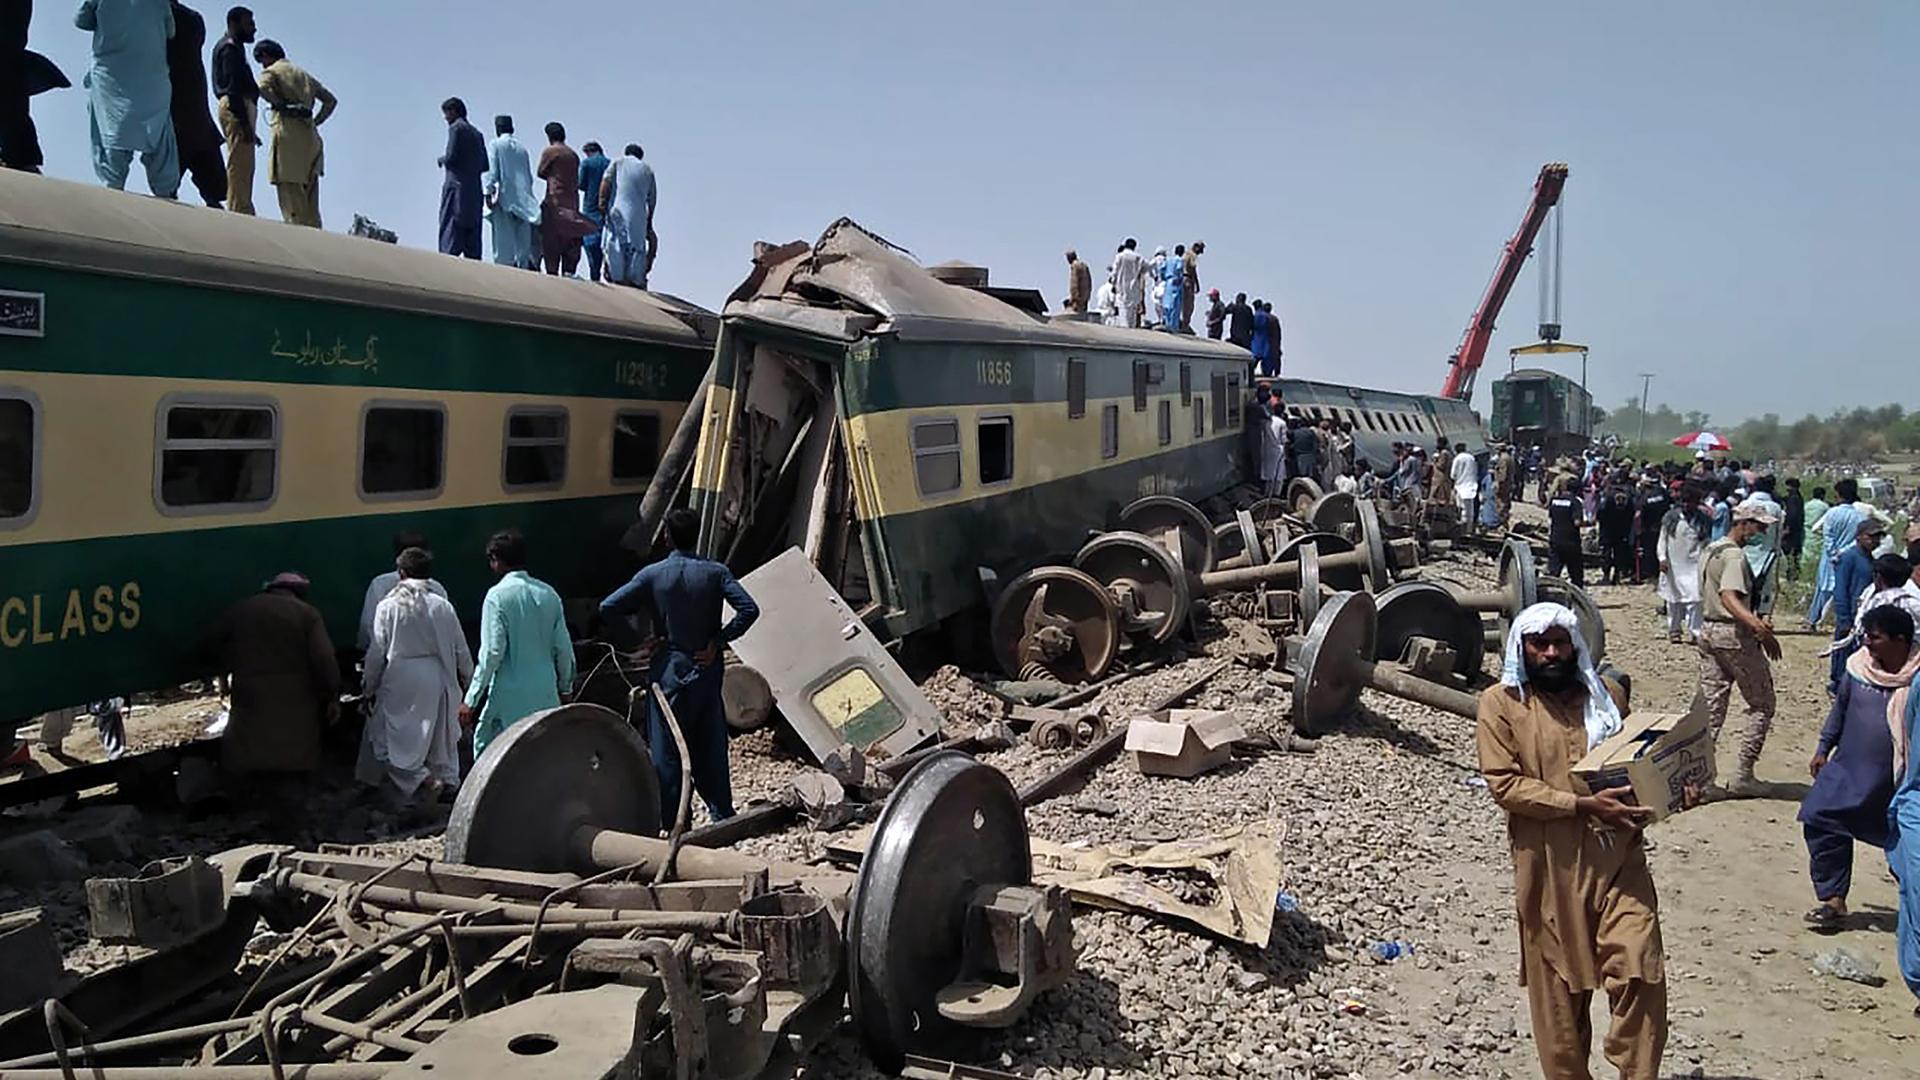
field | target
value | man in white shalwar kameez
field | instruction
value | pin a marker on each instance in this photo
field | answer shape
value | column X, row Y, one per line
column 512, row 206
column 417, row 669
column 1273, row 451
column 1129, row 282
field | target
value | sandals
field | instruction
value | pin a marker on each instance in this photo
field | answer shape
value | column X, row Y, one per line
column 1823, row 919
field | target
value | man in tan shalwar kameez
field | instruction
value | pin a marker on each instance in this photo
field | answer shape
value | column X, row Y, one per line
column 297, row 159
column 1588, row 915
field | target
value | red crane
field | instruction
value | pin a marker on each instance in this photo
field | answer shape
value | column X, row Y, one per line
column 1466, row 360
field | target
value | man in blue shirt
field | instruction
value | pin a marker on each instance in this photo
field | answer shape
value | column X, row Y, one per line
column 1852, row 576
column 682, row 594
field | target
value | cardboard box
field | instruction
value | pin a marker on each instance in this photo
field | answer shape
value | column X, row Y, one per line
column 1658, row 755
column 1182, row 742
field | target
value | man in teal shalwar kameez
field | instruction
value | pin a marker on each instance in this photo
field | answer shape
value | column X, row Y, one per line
column 526, row 655
column 130, row 93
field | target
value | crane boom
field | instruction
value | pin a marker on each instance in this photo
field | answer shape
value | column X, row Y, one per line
column 1466, row 360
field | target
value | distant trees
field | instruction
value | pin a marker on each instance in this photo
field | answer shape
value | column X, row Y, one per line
column 1845, row 434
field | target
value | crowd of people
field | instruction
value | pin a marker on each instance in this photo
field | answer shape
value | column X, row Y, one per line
column 147, row 97
column 1716, row 536
column 1159, row 292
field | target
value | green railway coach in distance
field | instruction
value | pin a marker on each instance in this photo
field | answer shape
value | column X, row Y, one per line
column 192, row 401
column 1535, row 407
column 906, row 432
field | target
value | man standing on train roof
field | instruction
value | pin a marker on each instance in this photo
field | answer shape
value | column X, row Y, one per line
column 628, row 195
column 1216, row 315
column 1129, row 283
column 512, row 206
column 561, row 226
column 526, row 654
column 1240, row 322
column 1589, row 919
column 129, row 93
column 23, row 73
column 1190, row 286
column 1262, row 343
column 238, row 96
column 194, row 135
column 383, row 583
column 1173, row 288
column 417, row 668
column 297, row 159
column 461, row 201
column 285, row 679
column 592, row 168
column 1079, row 284
column 682, row 593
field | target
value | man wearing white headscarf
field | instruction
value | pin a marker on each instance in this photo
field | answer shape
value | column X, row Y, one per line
column 1588, row 915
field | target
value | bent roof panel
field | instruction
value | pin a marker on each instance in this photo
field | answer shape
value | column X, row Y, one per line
column 60, row 223
column 867, row 272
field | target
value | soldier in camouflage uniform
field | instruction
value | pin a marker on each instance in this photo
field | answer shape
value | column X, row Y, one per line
column 1736, row 646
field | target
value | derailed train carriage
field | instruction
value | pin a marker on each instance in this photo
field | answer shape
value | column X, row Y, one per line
column 193, row 401
column 923, row 441
column 906, row 433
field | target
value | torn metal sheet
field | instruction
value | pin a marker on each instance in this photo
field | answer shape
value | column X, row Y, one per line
column 834, row 681
column 1225, row 884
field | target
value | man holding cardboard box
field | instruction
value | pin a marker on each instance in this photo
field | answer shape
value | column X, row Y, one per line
column 1737, row 646
column 1585, row 899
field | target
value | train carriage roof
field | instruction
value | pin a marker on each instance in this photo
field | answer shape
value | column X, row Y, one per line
column 852, row 281
column 64, row 224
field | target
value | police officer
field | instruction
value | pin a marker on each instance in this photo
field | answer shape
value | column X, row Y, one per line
column 1563, row 534
column 682, row 593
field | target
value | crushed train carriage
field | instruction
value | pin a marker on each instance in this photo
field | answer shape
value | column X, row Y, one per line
column 913, row 435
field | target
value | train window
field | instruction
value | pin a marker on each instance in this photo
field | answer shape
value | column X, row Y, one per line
column 1380, row 420
column 1235, row 415
column 1199, row 418
column 636, row 445
column 535, row 452
column 996, row 449
column 1419, row 424
column 1221, row 406
column 1139, row 386
column 1166, row 422
column 1186, row 383
column 1076, row 389
column 217, row 454
column 1109, row 431
column 1353, row 420
column 936, row 456
column 403, row 450
column 19, row 457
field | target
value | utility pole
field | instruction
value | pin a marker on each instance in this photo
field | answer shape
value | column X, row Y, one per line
column 1646, row 384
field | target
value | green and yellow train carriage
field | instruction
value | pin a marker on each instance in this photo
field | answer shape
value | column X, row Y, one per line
column 192, row 401
column 908, row 433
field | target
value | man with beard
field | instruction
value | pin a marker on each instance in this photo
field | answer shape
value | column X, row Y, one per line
column 1588, row 915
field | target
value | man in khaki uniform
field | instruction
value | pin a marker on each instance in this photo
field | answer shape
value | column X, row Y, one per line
column 1440, row 483
column 239, row 96
column 1588, row 915
column 298, row 158
column 1079, row 284
column 1735, row 644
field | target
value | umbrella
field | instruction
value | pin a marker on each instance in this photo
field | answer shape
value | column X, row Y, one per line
column 1703, row 440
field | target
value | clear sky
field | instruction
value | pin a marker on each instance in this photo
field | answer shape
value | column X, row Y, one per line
column 1740, row 212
